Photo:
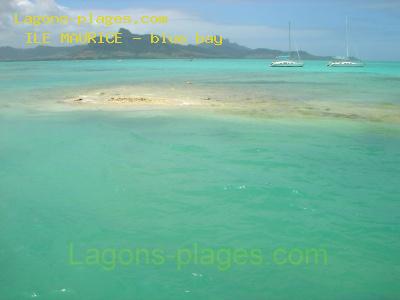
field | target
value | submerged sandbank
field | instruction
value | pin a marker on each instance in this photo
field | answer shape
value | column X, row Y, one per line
column 223, row 100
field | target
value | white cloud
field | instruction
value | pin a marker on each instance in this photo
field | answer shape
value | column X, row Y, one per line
column 13, row 35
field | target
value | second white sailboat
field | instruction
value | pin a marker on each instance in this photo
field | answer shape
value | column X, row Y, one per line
column 346, row 61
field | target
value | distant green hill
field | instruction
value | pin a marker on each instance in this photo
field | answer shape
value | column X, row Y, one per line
column 141, row 49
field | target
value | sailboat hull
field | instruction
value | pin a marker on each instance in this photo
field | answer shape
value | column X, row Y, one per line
column 287, row 64
column 345, row 64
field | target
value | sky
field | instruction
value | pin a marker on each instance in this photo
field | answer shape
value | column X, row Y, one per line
column 318, row 26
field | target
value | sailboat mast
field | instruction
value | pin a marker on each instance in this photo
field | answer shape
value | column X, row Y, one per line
column 347, row 37
column 290, row 40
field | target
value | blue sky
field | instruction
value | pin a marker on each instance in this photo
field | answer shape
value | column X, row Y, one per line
column 318, row 25
column 375, row 24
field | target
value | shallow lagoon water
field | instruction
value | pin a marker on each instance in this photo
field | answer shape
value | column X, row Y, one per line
column 377, row 82
column 172, row 179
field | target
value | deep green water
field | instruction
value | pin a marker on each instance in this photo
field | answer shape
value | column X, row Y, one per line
column 170, row 181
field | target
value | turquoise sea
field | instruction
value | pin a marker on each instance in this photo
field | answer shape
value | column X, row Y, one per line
column 186, row 204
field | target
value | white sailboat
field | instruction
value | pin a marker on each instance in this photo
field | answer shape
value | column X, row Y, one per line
column 287, row 60
column 346, row 61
